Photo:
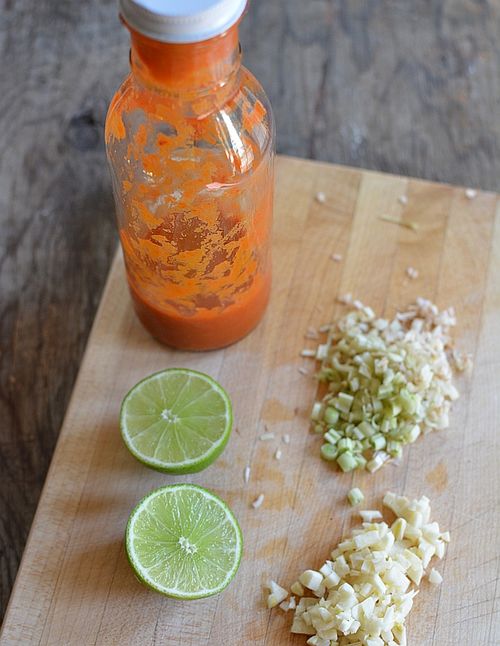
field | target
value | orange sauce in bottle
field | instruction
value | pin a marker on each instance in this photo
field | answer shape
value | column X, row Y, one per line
column 190, row 141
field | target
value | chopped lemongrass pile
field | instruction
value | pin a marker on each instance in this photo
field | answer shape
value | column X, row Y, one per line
column 364, row 593
column 388, row 383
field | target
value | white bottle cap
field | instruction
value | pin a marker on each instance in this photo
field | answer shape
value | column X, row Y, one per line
column 181, row 21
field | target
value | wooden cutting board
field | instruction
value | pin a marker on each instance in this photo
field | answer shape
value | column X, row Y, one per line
column 75, row 586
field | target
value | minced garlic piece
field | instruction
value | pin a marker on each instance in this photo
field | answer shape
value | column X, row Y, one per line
column 297, row 588
column 258, row 501
column 435, row 577
column 291, row 604
column 311, row 579
column 276, row 595
column 369, row 515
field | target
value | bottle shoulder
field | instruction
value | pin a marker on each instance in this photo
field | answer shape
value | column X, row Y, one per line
column 132, row 94
column 239, row 131
column 253, row 92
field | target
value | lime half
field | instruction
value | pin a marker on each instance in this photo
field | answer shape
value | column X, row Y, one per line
column 176, row 421
column 184, row 541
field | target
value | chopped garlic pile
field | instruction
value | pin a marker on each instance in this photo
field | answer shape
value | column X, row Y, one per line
column 363, row 595
column 388, row 382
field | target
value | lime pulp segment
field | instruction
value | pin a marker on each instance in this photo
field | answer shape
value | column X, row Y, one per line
column 177, row 420
column 184, row 542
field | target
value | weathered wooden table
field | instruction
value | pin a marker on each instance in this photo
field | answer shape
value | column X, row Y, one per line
column 407, row 87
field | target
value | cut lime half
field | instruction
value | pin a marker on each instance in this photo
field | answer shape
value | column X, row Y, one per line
column 176, row 421
column 184, row 542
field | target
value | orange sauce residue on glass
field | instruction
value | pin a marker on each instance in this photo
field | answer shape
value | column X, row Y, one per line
column 195, row 225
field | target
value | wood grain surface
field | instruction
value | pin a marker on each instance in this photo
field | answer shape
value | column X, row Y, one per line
column 408, row 87
column 75, row 585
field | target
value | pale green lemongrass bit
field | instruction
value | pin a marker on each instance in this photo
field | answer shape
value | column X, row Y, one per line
column 361, row 461
column 355, row 496
column 322, row 351
column 332, row 436
column 331, row 416
column 345, row 444
column 345, row 402
column 366, row 429
column 388, row 377
column 396, row 407
column 408, row 224
column 346, row 461
column 357, row 446
column 384, row 391
column 340, row 367
column 326, row 374
column 348, row 429
column 413, row 434
column 394, row 448
column 317, row 411
column 356, row 416
column 328, row 452
column 385, row 427
column 357, row 433
column 378, row 442
column 407, row 402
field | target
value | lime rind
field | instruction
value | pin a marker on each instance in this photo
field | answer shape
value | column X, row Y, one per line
column 161, row 541
column 141, row 404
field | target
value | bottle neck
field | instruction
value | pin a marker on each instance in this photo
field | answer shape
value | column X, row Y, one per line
column 189, row 73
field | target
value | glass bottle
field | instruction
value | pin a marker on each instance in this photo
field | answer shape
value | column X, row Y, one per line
column 190, row 144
